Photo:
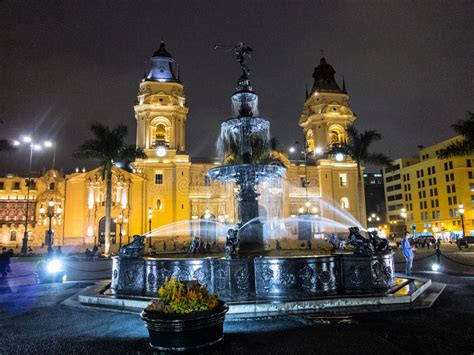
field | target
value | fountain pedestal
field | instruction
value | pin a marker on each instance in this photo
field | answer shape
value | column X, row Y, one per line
column 251, row 235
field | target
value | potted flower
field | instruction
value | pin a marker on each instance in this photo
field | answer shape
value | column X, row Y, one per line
column 185, row 316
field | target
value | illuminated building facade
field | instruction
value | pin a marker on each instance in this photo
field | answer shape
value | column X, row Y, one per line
column 171, row 188
column 427, row 194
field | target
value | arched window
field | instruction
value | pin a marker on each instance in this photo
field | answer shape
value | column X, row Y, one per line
column 13, row 236
column 345, row 203
column 52, row 186
column 160, row 135
column 336, row 135
column 310, row 140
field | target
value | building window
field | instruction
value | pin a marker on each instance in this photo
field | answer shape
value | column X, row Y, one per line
column 16, row 185
column 207, row 180
column 2, row 185
column 447, row 177
column 13, row 236
column 343, row 180
column 455, row 200
column 159, row 179
column 453, row 188
column 450, row 201
column 468, row 163
column 448, row 188
column 450, row 165
column 345, row 203
column 52, row 186
column 469, row 174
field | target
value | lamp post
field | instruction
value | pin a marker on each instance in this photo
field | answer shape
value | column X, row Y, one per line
column 27, row 140
column 403, row 214
column 50, row 213
column 374, row 219
column 150, row 216
column 120, row 221
column 461, row 212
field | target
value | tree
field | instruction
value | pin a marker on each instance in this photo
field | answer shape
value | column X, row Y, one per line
column 464, row 145
column 357, row 147
column 108, row 147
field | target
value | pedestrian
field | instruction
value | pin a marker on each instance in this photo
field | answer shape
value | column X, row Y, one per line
column 95, row 249
column 407, row 252
column 4, row 262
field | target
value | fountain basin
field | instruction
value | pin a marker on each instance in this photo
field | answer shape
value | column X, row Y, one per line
column 260, row 278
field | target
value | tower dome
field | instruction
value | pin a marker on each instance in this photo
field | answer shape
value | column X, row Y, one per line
column 162, row 66
column 323, row 76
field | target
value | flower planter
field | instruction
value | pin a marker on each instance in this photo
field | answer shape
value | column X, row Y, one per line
column 180, row 332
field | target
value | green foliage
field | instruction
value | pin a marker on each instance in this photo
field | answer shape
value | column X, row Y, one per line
column 358, row 147
column 176, row 297
column 464, row 145
column 108, row 146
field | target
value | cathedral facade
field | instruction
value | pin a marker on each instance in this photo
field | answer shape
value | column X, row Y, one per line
column 172, row 194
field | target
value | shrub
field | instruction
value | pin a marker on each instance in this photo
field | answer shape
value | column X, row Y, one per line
column 177, row 297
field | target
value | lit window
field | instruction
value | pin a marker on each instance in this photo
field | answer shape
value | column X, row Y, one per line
column 343, row 180
column 345, row 203
column 159, row 179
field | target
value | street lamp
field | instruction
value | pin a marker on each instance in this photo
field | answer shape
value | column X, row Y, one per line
column 120, row 221
column 373, row 218
column 27, row 140
column 150, row 216
column 403, row 214
column 461, row 212
column 50, row 213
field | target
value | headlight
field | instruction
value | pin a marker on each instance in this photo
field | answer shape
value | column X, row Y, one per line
column 54, row 266
column 435, row 267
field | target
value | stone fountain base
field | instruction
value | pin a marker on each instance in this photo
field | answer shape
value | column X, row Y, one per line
column 261, row 278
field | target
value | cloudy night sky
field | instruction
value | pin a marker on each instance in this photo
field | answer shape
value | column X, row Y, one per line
column 408, row 66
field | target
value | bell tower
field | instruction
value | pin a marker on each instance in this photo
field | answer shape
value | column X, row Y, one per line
column 326, row 113
column 160, row 110
column 161, row 114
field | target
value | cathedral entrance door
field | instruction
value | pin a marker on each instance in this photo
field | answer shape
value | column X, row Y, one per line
column 113, row 231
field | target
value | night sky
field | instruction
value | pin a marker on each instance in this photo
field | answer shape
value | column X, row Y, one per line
column 408, row 66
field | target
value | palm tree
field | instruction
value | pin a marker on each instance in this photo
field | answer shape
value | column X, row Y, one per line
column 357, row 147
column 108, row 147
column 464, row 145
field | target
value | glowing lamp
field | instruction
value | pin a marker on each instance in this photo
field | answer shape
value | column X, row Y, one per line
column 339, row 157
column 160, row 151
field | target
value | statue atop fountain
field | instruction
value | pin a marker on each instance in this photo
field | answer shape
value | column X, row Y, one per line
column 244, row 147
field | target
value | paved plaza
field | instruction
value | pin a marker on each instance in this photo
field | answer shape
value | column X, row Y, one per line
column 41, row 319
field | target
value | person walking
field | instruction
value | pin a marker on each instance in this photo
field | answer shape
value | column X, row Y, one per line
column 407, row 252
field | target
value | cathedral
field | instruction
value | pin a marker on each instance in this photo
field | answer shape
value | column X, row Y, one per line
column 172, row 194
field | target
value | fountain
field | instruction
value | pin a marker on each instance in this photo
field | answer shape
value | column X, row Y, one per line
column 249, row 275
column 244, row 147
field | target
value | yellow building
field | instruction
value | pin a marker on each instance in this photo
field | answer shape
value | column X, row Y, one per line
column 428, row 194
column 174, row 189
